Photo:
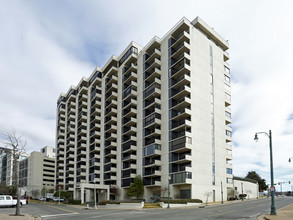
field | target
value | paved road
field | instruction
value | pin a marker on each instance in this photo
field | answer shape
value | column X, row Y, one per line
column 230, row 210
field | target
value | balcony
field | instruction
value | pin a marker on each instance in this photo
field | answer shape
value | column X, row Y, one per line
column 156, row 53
column 152, row 64
column 110, row 128
column 130, row 90
column 111, row 96
column 152, row 133
column 110, row 153
column 181, row 114
column 127, row 70
column 82, row 118
column 110, row 161
column 61, row 121
column 96, row 119
column 130, row 157
column 110, row 145
column 110, row 178
column 110, row 170
column 179, row 48
column 152, row 163
column 130, row 111
column 152, row 141
column 180, row 70
column 81, row 152
column 152, row 173
column 110, row 137
column 129, row 166
column 181, row 178
column 181, row 144
column 111, row 87
column 111, row 104
column 152, row 150
column 181, row 158
column 81, row 146
column 110, row 80
column 96, row 104
column 182, row 80
column 95, row 134
column 152, row 119
column 152, row 183
column 129, row 130
column 184, row 90
column 182, row 103
column 183, row 124
column 129, row 121
column 154, row 90
column 111, row 119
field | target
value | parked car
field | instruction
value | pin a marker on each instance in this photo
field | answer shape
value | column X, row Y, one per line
column 42, row 199
column 8, row 201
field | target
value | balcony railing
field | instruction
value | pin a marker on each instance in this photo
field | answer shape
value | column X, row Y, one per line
column 179, row 143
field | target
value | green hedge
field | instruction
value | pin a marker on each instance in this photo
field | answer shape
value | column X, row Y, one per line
column 74, row 202
column 182, row 201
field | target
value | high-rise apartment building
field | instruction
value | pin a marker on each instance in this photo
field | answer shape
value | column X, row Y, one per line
column 161, row 111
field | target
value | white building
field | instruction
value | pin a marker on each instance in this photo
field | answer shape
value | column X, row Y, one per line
column 160, row 111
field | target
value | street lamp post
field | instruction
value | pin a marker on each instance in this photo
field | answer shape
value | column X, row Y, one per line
column 59, row 195
column 273, row 208
column 169, row 178
column 242, row 191
column 222, row 192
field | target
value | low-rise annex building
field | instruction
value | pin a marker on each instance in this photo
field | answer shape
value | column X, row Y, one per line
column 37, row 172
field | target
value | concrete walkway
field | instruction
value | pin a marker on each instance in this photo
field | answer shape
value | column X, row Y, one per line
column 285, row 213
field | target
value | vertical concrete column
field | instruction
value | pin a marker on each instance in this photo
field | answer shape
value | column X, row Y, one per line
column 82, row 194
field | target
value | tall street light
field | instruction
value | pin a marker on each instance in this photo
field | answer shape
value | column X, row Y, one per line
column 222, row 192
column 273, row 208
column 169, row 178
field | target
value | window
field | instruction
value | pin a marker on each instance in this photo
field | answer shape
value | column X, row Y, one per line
column 229, row 180
column 227, row 87
column 227, row 70
column 8, row 198
column 229, row 152
column 227, row 78
column 1, row 197
column 227, row 114
column 229, row 133
column 229, row 171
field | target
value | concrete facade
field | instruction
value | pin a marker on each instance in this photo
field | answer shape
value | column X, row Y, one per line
column 160, row 111
column 37, row 171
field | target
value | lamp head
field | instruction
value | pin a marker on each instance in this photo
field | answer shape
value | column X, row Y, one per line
column 289, row 160
column 256, row 137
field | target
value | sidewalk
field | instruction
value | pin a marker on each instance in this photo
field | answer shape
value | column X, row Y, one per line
column 282, row 214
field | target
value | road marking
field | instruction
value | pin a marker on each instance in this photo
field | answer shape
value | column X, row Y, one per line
column 48, row 216
column 66, row 210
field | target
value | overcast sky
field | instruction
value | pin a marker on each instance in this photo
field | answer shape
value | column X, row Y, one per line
column 47, row 46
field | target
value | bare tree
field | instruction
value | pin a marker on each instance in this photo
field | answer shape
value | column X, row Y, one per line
column 207, row 195
column 16, row 145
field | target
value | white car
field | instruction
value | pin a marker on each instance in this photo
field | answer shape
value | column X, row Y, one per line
column 6, row 200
